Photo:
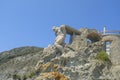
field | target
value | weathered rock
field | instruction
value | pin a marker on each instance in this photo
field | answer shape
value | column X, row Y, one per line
column 74, row 61
column 52, row 76
column 19, row 62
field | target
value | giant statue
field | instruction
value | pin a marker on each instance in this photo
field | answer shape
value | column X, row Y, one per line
column 60, row 33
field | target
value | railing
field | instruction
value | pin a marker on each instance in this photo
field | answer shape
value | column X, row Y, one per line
column 110, row 32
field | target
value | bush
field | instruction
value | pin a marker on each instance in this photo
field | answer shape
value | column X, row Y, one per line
column 31, row 74
column 102, row 56
column 94, row 37
column 16, row 77
column 24, row 77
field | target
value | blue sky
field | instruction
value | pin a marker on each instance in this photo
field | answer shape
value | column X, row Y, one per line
column 29, row 22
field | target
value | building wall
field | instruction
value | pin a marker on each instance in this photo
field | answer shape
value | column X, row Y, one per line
column 113, row 49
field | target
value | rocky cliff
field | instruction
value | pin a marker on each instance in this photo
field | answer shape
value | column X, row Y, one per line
column 84, row 58
column 18, row 62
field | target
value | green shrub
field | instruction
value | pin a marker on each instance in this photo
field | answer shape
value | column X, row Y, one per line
column 31, row 74
column 94, row 37
column 24, row 77
column 102, row 56
column 16, row 77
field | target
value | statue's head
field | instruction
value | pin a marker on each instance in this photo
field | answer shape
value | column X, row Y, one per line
column 55, row 28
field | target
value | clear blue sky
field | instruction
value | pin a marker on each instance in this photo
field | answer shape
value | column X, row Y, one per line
column 29, row 22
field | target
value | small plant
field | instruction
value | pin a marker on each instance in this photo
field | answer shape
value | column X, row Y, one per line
column 31, row 74
column 102, row 56
column 24, row 77
column 94, row 37
column 16, row 77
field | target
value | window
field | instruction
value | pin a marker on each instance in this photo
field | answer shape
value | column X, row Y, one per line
column 107, row 47
column 67, row 39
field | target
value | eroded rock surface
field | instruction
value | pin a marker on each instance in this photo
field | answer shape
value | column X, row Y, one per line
column 75, row 61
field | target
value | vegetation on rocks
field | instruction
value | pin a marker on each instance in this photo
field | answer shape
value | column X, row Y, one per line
column 102, row 56
column 79, row 60
column 6, row 56
column 32, row 74
column 16, row 77
column 94, row 37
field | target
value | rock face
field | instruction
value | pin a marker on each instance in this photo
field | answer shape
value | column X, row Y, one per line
column 18, row 63
column 77, row 61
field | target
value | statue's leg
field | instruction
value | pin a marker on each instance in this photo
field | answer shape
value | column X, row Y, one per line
column 59, row 40
column 59, row 47
column 59, row 43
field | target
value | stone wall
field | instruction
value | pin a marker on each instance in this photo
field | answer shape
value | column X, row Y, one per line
column 114, row 47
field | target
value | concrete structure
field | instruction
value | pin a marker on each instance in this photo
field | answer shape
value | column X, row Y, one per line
column 112, row 47
column 79, row 39
column 60, row 33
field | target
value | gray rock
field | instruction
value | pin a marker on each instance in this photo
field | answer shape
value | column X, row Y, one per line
column 76, row 61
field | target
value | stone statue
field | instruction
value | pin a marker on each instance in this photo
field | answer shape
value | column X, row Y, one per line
column 60, row 33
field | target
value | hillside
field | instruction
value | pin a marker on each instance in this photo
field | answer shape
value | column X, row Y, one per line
column 19, row 60
column 84, row 58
